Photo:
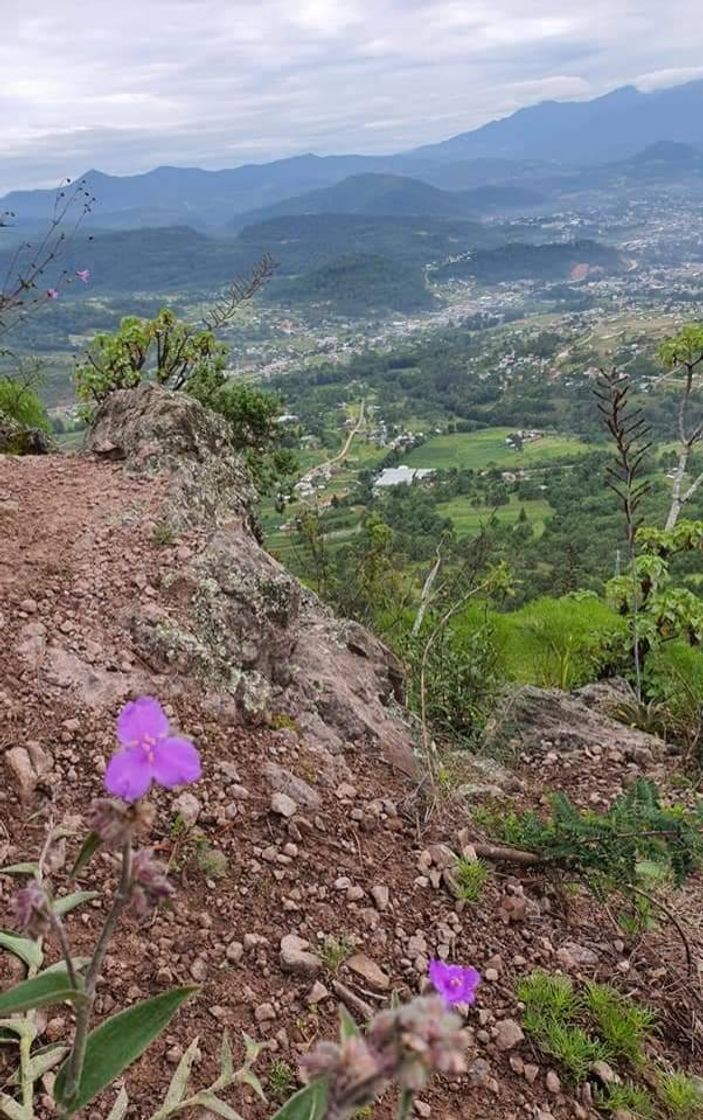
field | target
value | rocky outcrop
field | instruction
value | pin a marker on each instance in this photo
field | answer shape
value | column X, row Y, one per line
column 231, row 614
column 15, row 439
column 531, row 720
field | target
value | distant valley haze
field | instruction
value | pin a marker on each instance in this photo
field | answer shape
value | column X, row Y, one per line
column 201, row 84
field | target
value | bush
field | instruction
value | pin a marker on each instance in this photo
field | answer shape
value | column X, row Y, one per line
column 674, row 682
column 21, row 403
column 555, row 643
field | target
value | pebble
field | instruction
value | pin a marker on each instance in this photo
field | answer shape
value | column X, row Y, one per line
column 509, row 1034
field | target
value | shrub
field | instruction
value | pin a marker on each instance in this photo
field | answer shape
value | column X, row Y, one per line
column 674, row 682
column 21, row 403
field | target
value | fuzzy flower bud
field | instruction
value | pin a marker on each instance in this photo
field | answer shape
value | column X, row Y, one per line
column 31, row 909
column 114, row 822
column 149, row 883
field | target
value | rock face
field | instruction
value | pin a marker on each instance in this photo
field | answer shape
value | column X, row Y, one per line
column 235, row 617
column 534, row 719
column 18, row 440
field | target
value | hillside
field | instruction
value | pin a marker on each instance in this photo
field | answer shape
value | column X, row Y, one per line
column 357, row 865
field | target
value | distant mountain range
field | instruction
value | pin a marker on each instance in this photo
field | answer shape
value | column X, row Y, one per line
column 515, row 162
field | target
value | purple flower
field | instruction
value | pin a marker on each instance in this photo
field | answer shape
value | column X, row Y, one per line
column 454, row 983
column 52, row 293
column 149, row 753
column 31, row 908
column 83, row 275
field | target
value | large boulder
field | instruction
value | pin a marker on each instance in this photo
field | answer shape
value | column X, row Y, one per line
column 231, row 614
column 15, row 439
column 530, row 720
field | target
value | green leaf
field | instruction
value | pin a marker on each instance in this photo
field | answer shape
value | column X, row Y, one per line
column 28, row 951
column 120, row 1106
column 247, row 1076
column 307, row 1104
column 347, row 1025
column 46, row 988
column 118, row 1042
column 220, row 1108
column 88, row 849
column 45, row 1059
column 179, row 1081
column 226, row 1063
column 405, row 1103
column 69, row 902
column 252, row 1048
column 20, row 869
column 12, row 1109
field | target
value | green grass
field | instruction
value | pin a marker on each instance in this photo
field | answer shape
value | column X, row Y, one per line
column 468, row 519
column 477, row 450
column 682, row 1096
column 335, row 951
column 281, row 1080
column 621, row 1023
column 628, row 1099
column 471, row 876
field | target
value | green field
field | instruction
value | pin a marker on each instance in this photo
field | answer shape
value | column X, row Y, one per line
column 478, row 450
column 469, row 519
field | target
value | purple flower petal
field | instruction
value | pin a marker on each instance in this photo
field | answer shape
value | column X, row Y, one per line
column 176, row 763
column 454, row 983
column 141, row 719
column 128, row 774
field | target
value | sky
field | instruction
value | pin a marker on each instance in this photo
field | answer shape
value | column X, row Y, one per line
column 127, row 85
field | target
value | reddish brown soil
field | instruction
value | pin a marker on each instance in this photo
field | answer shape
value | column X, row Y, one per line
column 76, row 548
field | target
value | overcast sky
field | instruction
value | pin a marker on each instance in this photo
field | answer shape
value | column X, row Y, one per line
column 125, row 85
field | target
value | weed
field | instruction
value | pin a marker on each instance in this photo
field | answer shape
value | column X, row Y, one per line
column 162, row 534
column 626, row 1098
column 622, row 1024
column 571, row 1046
column 470, row 876
column 281, row 1080
column 211, row 861
column 545, row 995
column 335, row 951
column 682, row 1096
column 283, row 722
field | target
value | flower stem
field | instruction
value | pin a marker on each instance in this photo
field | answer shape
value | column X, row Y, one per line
column 84, row 1011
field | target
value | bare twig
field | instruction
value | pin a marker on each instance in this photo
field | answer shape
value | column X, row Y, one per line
column 241, row 290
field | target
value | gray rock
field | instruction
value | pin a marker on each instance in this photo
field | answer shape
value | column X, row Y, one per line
column 188, row 807
column 295, row 788
column 283, row 805
column 22, row 772
column 381, row 896
column 370, row 972
column 509, row 1034
column 296, row 957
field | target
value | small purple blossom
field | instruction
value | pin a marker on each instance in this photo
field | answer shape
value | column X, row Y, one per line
column 83, row 275
column 454, row 983
column 52, row 293
column 149, row 753
column 150, row 885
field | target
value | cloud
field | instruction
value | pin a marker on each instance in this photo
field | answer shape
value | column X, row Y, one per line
column 128, row 86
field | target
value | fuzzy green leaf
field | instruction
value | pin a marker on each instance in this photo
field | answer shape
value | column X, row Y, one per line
column 347, row 1025
column 118, row 1042
column 41, row 990
column 220, row 1108
column 11, row 1109
column 179, row 1081
column 20, row 869
column 69, row 902
column 226, row 1063
column 119, row 1108
column 88, row 849
column 28, row 951
column 246, row 1076
column 307, row 1104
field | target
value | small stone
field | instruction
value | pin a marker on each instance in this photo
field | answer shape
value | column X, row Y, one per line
column 552, row 1082
column 371, row 973
column 491, row 975
column 381, row 896
column 422, row 1109
column 605, row 1073
column 21, row 769
column 234, row 952
column 479, row 1071
column 530, row 1073
column 317, row 994
column 188, row 807
column 283, row 805
column 509, row 1034
column 295, row 956
column 264, row 1013
column 572, row 955
column 355, row 893
column 198, row 969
